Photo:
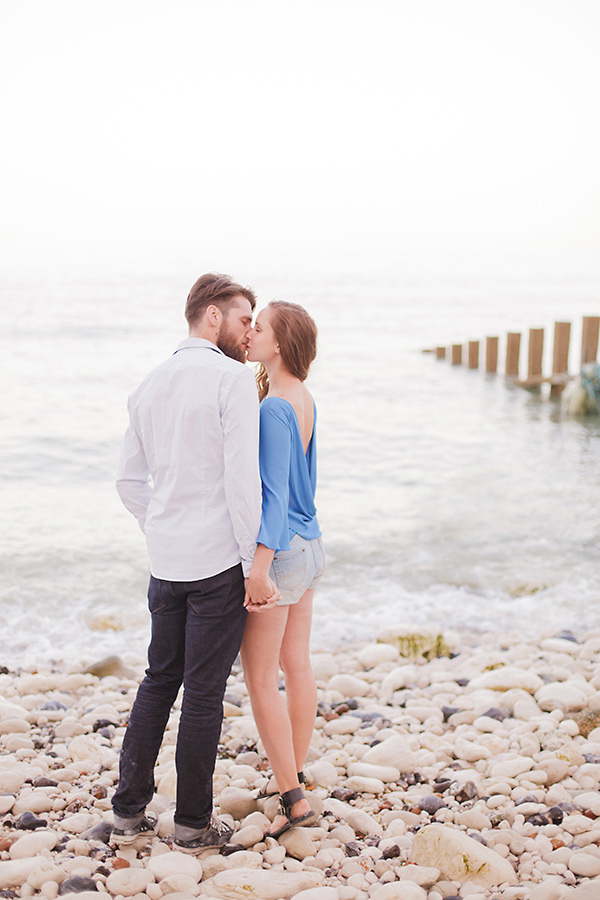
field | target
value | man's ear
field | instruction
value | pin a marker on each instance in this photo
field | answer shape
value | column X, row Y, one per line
column 213, row 315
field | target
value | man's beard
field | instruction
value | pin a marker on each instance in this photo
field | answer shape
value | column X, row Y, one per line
column 227, row 344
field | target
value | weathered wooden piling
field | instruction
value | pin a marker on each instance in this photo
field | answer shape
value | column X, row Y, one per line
column 473, row 355
column 491, row 355
column 457, row 354
column 513, row 351
column 589, row 339
column 560, row 357
column 536, row 351
column 440, row 353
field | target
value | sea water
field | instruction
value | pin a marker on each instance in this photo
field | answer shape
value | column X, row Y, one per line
column 447, row 497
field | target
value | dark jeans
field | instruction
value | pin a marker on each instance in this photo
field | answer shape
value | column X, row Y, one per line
column 197, row 629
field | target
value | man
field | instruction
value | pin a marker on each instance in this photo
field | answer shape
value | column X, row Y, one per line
column 189, row 473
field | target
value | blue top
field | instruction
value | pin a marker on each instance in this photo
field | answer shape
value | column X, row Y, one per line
column 289, row 476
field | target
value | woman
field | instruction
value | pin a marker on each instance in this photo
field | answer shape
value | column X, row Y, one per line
column 289, row 553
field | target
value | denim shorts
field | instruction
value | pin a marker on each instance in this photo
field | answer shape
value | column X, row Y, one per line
column 298, row 569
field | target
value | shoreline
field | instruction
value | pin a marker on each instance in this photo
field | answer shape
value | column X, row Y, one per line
column 472, row 775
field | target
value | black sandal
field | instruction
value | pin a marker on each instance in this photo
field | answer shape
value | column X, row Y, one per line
column 286, row 802
column 263, row 794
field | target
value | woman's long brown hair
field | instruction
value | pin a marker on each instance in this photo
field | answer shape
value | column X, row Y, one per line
column 296, row 334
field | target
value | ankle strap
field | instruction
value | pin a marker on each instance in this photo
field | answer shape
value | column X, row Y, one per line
column 288, row 798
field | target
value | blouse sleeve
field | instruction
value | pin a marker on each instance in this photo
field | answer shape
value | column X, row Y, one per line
column 275, row 457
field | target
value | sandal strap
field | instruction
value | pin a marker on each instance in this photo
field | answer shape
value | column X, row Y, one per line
column 288, row 798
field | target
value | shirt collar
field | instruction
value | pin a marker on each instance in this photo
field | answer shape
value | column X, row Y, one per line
column 193, row 343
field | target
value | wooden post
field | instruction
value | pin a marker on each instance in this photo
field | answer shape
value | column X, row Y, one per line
column 589, row 339
column 456, row 354
column 513, row 350
column 440, row 353
column 562, row 338
column 473, row 354
column 560, row 357
column 491, row 354
column 536, row 349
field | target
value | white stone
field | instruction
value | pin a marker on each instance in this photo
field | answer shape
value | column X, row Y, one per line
column 34, row 843
column 590, row 800
column 14, row 726
column 318, row 893
column 506, row 678
column 585, row 864
column 399, row 890
column 260, row 884
column 179, row 884
column 348, row 685
column 129, row 881
column 398, row 678
column 298, row 844
column 7, row 801
column 421, row 875
column 470, row 751
column 248, row 836
column 46, row 872
column 324, row 666
column 35, row 802
column 510, row 768
column 393, row 751
column 387, row 774
column 15, row 872
column 560, row 695
column 323, row 773
column 85, row 748
column 174, row 863
column 413, row 642
column 459, row 857
column 342, row 725
column 365, row 785
column 576, row 824
column 555, row 769
column 274, row 856
column 77, row 823
column 237, row 803
column 215, row 863
column 548, row 891
column 374, row 654
column 244, row 859
column 12, row 775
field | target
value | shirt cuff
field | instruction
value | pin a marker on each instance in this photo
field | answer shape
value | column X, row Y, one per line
column 246, row 566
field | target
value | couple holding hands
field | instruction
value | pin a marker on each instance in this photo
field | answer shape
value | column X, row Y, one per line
column 223, row 489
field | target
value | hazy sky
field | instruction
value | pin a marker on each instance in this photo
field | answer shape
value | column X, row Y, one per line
column 293, row 131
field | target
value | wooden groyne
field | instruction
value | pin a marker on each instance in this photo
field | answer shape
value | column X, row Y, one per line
column 469, row 354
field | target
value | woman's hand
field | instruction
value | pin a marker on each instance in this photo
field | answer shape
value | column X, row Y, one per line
column 261, row 593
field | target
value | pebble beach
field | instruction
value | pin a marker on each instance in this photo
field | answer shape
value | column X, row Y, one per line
column 438, row 770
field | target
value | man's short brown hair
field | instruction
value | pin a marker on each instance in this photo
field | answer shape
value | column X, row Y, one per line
column 213, row 289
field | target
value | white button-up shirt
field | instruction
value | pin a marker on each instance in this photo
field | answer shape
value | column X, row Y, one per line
column 189, row 465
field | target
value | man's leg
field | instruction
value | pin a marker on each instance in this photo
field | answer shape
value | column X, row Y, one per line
column 214, row 631
column 155, row 697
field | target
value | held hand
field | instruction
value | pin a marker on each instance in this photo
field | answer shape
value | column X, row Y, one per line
column 261, row 594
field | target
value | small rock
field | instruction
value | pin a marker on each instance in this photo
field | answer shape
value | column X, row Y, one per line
column 33, row 844
column 260, row 884
column 110, row 665
column 129, row 881
column 28, row 821
column 174, row 863
column 76, row 884
column 459, row 857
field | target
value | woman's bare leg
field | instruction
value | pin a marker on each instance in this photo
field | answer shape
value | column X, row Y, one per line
column 300, row 687
column 264, row 639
